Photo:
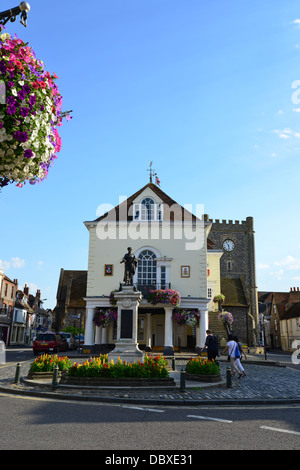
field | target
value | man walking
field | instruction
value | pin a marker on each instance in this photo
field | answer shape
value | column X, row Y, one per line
column 211, row 344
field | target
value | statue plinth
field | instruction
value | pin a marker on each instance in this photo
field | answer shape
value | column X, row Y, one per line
column 126, row 346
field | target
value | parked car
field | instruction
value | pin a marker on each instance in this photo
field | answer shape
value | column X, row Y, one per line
column 70, row 339
column 49, row 342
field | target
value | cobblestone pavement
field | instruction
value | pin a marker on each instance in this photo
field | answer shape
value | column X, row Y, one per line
column 263, row 384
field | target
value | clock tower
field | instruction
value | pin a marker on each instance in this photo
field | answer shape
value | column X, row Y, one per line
column 238, row 274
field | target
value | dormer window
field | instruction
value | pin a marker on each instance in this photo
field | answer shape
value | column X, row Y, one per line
column 148, row 210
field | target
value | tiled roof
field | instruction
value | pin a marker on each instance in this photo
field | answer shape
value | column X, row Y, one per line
column 178, row 215
column 292, row 311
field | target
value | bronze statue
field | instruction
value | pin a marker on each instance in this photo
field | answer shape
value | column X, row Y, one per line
column 130, row 266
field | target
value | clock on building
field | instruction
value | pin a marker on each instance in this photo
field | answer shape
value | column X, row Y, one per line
column 228, row 245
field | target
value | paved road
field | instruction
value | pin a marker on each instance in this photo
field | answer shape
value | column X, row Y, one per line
column 45, row 424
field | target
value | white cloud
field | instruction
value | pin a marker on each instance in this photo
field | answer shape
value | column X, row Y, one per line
column 262, row 266
column 17, row 262
column 296, row 110
column 289, row 262
column 296, row 22
column 4, row 265
column 286, row 133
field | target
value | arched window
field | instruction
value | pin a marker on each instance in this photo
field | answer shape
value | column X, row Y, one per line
column 148, row 210
column 146, row 273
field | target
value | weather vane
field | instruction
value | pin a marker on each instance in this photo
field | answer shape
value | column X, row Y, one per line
column 152, row 174
column 11, row 14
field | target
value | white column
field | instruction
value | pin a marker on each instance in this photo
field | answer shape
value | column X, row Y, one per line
column 148, row 331
column 98, row 334
column 104, row 335
column 201, row 331
column 89, row 327
column 168, row 344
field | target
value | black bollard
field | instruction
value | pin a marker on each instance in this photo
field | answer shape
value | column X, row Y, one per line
column 55, row 377
column 173, row 363
column 182, row 380
column 18, row 373
column 228, row 377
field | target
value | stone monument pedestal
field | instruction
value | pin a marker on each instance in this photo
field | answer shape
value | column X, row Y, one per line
column 126, row 346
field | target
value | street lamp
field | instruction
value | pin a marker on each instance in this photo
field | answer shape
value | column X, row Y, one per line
column 11, row 14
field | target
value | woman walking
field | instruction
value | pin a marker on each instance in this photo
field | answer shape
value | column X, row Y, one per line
column 234, row 354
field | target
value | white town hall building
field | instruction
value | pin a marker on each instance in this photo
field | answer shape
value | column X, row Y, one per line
column 173, row 251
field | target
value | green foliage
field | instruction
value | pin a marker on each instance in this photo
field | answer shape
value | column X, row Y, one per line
column 202, row 367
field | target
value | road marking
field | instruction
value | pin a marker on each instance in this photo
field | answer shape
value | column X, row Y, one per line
column 143, row 409
column 280, row 430
column 209, row 419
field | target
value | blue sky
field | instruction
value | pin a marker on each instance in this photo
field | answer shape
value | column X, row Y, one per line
column 203, row 88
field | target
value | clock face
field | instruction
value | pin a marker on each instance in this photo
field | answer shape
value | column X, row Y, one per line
column 228, row 245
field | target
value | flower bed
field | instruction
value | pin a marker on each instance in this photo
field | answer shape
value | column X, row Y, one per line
column 98, row 371
column 203, row 370
column 29, row 139
column 164, row 296
column 43, row 366
column 100, row 367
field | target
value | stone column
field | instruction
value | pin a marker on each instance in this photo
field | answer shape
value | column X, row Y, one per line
column 168, row 343
column 104, row 335
column 126, row 346
column 148, row 331
column 201, row 331
column 89, row 328
column 98, row 334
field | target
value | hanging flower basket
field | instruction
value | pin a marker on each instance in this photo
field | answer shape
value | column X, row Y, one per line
column 30, row 113
column 164, row 296
column 219, row 298
column 103, row 317
column 186, row 317
column 226, row 317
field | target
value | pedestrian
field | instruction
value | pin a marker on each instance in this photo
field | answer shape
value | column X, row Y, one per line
column 240, row 348
column 235, row 355
column 211, row 344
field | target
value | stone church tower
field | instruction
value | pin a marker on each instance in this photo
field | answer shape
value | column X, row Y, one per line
column 238, row 274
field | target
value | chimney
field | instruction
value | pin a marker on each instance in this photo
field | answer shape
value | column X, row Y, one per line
column 38, row 294
column 26, row 290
